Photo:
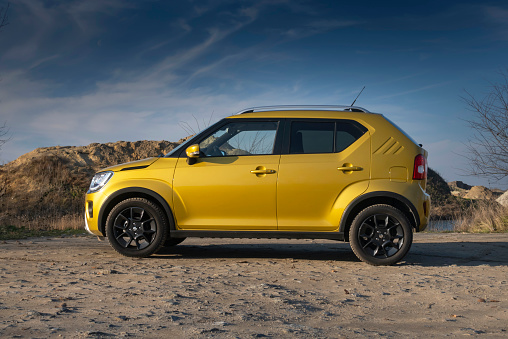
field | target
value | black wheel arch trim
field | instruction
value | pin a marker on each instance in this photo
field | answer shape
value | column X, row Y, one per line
column 378, row 194
column 131, row 191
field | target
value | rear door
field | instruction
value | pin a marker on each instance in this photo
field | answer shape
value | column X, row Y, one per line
column 311, row 171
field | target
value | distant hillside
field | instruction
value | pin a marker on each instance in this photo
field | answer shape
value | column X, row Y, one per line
column 443, row 203
column 48, row 185
column 448, row 199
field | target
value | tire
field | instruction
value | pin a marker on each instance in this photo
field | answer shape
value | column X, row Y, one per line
column 380, row 235
column 173, row 241
column 136, row 227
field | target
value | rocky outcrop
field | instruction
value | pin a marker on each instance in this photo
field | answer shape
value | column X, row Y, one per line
column 479, row 193
column 503, row 199
column 465, row 191
column 459, row 184
column 96, row 156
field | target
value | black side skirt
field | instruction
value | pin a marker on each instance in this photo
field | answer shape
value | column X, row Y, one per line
column 257, row 234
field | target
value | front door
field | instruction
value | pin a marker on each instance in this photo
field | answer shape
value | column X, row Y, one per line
column 232, row 186
column 310, row 181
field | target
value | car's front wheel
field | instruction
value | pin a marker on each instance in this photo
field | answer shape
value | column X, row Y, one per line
column 136, row 227
column 380, row 235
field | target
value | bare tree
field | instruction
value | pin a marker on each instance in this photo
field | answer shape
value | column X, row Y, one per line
column 4, row 16
column 488, row 147
column 3, row 135
column 4, row 21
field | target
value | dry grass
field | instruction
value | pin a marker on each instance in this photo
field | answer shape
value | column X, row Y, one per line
column 67, row 222
column 482, row 216
column 61, row 223
column 43, row 195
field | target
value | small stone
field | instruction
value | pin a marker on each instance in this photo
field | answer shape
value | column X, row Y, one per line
column 220, row 323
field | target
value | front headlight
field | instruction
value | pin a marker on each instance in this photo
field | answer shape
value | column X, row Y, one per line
column 99, row 180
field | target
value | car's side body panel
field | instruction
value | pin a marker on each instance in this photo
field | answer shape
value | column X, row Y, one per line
column 221, row 193
column 283, row 191
column 157, row 178
column 311, row 188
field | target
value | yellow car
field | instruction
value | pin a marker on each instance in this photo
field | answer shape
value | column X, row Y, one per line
column 316, row 172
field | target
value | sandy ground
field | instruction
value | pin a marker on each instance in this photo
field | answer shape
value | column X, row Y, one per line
column 449, row 285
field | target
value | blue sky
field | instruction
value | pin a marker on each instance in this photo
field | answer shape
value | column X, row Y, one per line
column 77, row 72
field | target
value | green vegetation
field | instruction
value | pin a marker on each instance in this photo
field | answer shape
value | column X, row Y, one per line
column 9, row 232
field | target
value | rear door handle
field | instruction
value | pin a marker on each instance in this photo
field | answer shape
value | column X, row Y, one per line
column 350, row 168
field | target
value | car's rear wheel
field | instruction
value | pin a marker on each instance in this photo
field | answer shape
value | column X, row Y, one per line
column 380, row 235
column 136, row 227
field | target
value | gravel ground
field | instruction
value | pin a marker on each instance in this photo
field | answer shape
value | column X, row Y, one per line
column 77, row 287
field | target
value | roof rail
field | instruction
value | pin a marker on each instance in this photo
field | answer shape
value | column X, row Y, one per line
column 304, row 108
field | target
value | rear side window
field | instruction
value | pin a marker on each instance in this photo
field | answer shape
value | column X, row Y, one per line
column 309, row 137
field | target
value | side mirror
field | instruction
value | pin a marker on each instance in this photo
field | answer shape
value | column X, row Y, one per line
column 192, row 154
column 192, row 151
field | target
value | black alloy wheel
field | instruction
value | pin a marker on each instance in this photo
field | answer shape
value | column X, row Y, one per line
column 136, row 227
column 380, row 235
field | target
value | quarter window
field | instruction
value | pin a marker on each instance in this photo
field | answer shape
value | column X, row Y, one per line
column 241, row 138
column 346, row 134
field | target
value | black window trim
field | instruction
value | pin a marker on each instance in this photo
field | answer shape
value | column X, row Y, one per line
column 282, row 137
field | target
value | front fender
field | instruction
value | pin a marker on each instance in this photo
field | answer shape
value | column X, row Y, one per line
column 161, row 193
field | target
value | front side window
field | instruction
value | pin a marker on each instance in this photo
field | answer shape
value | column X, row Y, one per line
column 241, row 138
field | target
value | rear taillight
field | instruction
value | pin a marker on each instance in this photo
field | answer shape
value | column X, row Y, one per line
column 420, row 169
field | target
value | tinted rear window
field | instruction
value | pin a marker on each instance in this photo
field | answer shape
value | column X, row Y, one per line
column 323, row 137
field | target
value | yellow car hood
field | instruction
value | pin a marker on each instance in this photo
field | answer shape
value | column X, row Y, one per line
column 139, row 164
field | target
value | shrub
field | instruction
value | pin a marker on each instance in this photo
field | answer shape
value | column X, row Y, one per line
column 482, row 216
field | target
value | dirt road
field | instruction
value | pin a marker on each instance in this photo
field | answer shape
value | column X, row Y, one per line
column 449, row 284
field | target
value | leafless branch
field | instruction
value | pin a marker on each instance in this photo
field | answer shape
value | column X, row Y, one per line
column 488, row 147
column 4, row 16
column 3, row 135
column 4, row 21
column 190, row 130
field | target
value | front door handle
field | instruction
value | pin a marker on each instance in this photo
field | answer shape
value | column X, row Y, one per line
column 261, row 171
